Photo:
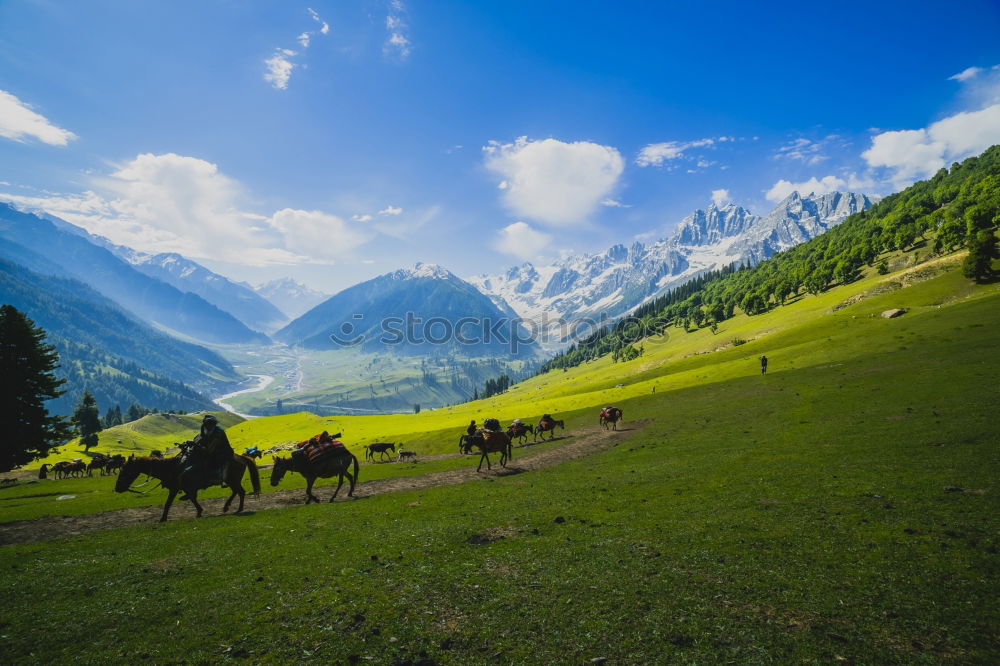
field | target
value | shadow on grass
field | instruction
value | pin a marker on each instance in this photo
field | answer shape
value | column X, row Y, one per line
column 507, row 471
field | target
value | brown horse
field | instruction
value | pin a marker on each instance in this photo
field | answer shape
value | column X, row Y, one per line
column 548, row 427
column 99, row 461
column 168, row 472
column 611, row 415
column 338, row 462
column 492, row 441
column 378, row 447
column 520, row 431
column 467, row 442
column 115, row 463
column 64, row 469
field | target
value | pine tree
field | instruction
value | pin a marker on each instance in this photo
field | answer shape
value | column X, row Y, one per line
column 982, row 252
column 135, row 412
column 87, row 420
column 27, row 365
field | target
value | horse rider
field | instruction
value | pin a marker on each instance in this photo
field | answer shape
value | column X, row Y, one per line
column 214, row 446
column 471, row 430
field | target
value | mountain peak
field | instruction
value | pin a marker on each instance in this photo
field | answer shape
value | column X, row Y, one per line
column 423, row 270
column 611, row 282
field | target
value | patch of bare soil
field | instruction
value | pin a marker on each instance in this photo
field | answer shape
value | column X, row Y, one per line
column 584, row 442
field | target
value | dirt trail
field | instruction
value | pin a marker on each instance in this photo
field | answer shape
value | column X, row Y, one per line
column 584, row 442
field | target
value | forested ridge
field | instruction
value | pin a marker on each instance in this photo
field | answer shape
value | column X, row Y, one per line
column 120, row 360
column 957, row 208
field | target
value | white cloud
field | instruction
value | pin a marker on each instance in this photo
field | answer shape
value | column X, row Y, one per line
column 406, row 229
column 720, row 197
column 655, row 154
column 966, row 74
column 390, row 210
column 279, row 69
column 805, row 150
column 17, row 121
column 552, row 181
column 317, row 235
column 174, row 203
column 824, row 185
column 398, row 42
column 520, row 240
column 914, row 154
column 614, row 203
column 324, row 28
column 362, row 218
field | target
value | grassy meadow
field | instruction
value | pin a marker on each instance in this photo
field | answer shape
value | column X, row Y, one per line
column 842, row 508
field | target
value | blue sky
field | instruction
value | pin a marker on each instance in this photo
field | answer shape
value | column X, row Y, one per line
column 334, row 141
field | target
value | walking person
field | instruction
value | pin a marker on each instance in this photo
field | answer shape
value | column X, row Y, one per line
column 763, row 365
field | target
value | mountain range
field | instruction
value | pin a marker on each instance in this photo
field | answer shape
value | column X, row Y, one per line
column 409, row 311
column 62, row 275
column 608, row 284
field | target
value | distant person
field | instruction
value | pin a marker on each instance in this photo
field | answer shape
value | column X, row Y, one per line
column 763, row 365
column 471, row 430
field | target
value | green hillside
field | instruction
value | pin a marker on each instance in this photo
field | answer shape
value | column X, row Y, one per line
column 139, row 437
column 840, row 508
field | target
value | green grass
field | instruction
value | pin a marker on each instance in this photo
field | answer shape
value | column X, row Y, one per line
column 805, row 516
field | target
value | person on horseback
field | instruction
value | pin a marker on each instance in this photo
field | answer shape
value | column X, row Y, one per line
column 471, row 430
column 215, row 449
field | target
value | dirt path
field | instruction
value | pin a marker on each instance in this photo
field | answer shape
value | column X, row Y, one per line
column 584, row 442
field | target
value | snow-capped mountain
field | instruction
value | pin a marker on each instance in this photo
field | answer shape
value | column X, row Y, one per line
column 235, row 298
column 424, row 310
column 610, row 283
column 291, row 297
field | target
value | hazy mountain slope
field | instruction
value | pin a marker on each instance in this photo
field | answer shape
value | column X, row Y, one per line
column 235, row 298
column 143, row 296
column 118, row 358
column 293, row 298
